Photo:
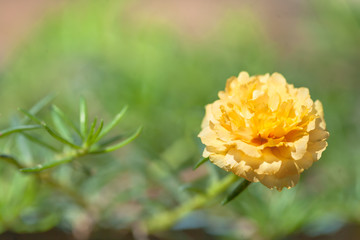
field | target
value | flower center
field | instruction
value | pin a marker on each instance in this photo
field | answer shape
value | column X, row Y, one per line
column 259, row 140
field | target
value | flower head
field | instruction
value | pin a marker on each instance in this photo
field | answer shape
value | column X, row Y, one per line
column 264, row 130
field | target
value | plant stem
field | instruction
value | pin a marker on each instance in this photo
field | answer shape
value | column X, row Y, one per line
column 167, row 219
column 67, row 157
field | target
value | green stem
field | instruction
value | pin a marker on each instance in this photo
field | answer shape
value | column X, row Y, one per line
column 167, row 219
column 42, row 167
column 65, row 159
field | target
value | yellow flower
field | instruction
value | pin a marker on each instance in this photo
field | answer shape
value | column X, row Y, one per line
column 264, row 130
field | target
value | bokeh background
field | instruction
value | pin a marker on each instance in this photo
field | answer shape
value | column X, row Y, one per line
column 167, row 60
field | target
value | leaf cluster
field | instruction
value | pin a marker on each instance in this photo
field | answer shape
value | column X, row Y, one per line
column 76, row 140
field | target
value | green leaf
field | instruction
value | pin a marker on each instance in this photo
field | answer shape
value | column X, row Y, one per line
column 83, row 118
column 200, row 162
column 40, row 142
column 119, row 145
column 114, row 122
column 65, row 119
column 49, row 130
column 91, row 131
column 59, row 138
column 23, row 128
column 41, row 104
column 25, row 153
column 11, row 160
column 94, row 137
column 31, row 116
column 60, row 124
column 109, row 141
column 47, row 165
column 236, row 191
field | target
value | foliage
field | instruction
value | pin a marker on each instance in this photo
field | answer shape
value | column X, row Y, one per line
column 93, row 49
column 70, row 143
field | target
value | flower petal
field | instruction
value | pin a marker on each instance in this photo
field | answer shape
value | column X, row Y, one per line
column 268, row 168
column 300, row 147
column 271, row 181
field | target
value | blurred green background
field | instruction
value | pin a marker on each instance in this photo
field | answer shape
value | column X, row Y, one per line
column 167, row 60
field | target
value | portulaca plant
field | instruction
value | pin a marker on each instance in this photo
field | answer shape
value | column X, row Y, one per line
column 261, row 129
